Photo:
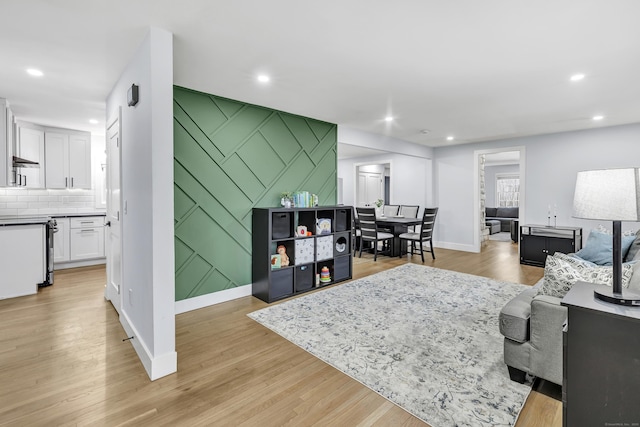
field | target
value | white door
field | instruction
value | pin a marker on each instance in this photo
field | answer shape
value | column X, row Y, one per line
column 370, row 188
column 113, row 230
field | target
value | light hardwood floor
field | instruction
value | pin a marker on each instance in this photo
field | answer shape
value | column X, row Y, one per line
column 63, row 362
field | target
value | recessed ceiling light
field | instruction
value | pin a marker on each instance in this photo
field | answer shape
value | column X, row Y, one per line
column 93, row 121
column 577, row 77
column 34, row 72
column 388, row 119
column 449, row 138
column 596, row 118
column 263, row 78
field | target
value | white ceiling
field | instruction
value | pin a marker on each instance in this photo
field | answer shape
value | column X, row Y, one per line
column 478, row 70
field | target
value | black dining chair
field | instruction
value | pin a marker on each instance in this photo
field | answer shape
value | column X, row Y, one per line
column 424, row 235
column 369, row 230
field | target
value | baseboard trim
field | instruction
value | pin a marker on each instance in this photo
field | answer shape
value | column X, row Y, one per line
column 156, row 367
column 75, row 264
column 455, row 246
column 214, row 298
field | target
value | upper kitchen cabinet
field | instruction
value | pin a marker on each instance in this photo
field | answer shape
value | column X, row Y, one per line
column 68, row 159
column 30, row 145
column 6, row 142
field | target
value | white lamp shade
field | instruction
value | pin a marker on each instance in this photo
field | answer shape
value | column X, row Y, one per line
column 607, row 194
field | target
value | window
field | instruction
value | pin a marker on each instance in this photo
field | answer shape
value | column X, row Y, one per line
column 507, row 190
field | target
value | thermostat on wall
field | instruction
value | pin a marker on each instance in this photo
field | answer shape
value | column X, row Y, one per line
column 132, row 95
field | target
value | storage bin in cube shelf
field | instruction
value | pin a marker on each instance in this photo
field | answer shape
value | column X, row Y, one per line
column 324, row 248
column 304, row 251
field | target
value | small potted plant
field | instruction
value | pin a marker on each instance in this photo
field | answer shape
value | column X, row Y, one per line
column 379, row 210
column 286, row 199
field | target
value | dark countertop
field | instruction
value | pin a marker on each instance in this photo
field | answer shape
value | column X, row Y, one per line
column 26, row 220
column 79, row 214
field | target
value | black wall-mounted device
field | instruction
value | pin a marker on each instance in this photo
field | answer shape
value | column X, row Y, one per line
column 132, row 95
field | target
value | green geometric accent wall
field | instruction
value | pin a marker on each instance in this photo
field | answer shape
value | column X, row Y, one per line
column 230, row 157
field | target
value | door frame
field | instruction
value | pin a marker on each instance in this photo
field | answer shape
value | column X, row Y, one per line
column 107, row 293
column 477, row 241
column 372, row 162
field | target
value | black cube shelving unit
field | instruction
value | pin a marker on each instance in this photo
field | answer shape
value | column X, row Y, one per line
column 308, row 255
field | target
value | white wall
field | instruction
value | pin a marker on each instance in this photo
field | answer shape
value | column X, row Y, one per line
column 552, row 162
column 410, row 178
column 148, row 303
column 347, row 135
column 410, row 167
column 490, row 173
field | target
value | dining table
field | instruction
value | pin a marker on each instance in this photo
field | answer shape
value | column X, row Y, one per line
column 397, row 225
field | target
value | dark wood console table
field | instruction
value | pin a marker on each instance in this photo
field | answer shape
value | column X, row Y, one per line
column 538, row 241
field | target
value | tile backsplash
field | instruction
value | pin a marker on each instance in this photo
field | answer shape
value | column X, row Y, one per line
column 27, row 202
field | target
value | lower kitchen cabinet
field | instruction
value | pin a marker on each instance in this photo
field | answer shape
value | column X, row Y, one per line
column 79, row 239
column 22, row 259
column 86, row 243
column 61, row 241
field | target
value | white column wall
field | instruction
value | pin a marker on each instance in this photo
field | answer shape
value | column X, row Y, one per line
column 148, row 303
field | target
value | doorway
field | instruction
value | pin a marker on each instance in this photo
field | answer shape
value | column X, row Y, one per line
column 500, row 184
column 373, row 183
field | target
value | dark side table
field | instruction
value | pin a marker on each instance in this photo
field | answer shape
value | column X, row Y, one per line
column 601, row 361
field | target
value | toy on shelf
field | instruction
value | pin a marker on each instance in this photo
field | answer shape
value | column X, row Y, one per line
column 324, row 275
column 284, row 258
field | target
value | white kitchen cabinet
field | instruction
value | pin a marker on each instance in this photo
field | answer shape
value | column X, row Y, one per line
column 79, row 241
column 61, row 241
column 6, row 142
column 30, row 146
column 22, row 259
column 68, row 159
column 86, row 238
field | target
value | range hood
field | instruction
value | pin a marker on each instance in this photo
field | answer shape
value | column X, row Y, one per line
column 19, row 162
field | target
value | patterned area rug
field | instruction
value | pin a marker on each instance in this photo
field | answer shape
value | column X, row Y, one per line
column 426, row 339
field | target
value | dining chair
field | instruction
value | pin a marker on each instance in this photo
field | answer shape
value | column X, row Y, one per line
column 409, row 211
column 390, row 210
column 424, row 235
column 369, row 230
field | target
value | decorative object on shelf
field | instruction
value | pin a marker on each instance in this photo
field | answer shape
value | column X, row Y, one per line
column 314, row 200
column 275, row 261
column 309, row 234
column 610, row 194
column 324, row 275
column 284, row 258
column 286, row 199
column 323, row 226
column 301, row 231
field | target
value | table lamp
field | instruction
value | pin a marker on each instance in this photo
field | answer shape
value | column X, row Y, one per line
column 610, row 195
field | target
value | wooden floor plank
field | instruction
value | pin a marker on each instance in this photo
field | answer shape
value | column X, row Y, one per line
column 63, row 361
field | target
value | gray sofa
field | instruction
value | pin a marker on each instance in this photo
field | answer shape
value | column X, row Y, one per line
column 532, row 328
column 504, row 215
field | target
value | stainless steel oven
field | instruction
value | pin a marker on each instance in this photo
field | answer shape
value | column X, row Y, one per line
column 51, row 227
